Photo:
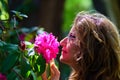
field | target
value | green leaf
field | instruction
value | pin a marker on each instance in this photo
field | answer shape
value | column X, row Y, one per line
column 4, row 10
column 25, row 68
column 23, row 15
column 28, row 37
column 7, row 47
column 2, row 43
column 33, row 75
column 9, row 62
column 40, row 65
column 19, row 15
column 41, row 61
column 39, row 78
column 13, row 47
column 11, row 76
column 35, row 68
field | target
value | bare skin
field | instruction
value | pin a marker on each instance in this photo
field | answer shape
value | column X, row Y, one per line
column 55, row 73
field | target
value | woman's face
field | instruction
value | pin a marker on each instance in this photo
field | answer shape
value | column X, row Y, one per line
column 70, row 46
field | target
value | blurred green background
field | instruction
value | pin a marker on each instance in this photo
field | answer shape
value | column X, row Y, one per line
column 54, row 16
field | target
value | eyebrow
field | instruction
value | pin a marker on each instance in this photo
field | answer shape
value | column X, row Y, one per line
column 71, row 35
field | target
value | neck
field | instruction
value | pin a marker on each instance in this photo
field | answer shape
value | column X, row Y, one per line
column 74, row 74
column 75, row 68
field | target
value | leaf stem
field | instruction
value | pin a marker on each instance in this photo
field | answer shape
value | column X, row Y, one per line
column 21, row 78
column 14, row 26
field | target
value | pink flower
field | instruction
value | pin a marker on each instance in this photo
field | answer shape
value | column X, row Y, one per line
column 2, row 77
column 22, row 45
column 47, row 45
column 22, row 37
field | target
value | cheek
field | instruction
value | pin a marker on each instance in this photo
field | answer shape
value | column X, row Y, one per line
column 73, row 49
column 68, row 56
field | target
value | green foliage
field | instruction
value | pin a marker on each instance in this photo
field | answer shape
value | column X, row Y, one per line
column 27, row 6
column 18, row 64
column 19, row 14
column 9, row 62
column 18, row 58
column 71, row 9
column 4, row 10
column 25, row 68
column 40, row 65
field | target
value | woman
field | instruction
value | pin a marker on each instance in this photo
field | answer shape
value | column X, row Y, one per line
column 91, row 49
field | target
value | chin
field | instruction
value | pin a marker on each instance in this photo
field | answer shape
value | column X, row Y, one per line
column 64, row 60
column 61, row 58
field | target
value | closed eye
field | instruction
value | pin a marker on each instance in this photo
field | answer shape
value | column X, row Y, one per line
column 71, row 36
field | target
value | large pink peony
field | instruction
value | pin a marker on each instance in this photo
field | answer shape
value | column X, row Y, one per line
column 47, row 45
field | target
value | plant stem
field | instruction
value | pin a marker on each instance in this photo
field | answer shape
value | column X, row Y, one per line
column 21, row 78
column 14, row 26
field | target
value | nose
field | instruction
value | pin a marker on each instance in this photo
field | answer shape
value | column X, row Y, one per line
column 63, row 42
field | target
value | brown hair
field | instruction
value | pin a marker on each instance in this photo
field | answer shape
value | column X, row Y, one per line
column 100, row 45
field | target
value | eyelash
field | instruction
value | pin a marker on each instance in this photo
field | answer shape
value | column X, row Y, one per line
column 71, row 36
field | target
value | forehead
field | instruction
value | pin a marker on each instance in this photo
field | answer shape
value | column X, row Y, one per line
column 73, row 29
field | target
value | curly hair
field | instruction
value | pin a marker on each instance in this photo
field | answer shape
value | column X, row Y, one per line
column 100, row 45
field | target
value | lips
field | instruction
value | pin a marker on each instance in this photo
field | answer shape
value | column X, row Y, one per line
column 64, row 51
